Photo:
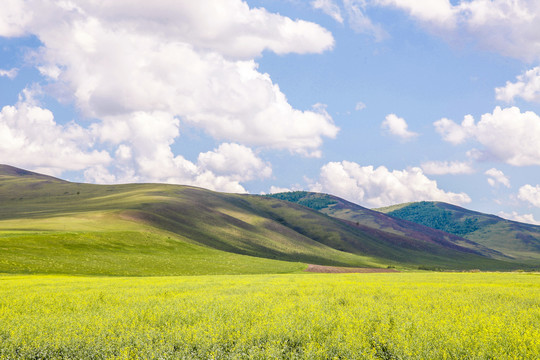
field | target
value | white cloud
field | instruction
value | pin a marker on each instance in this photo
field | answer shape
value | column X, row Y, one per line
column 329, row 8
column 437, row 12
column 510, row 27
column 525, row 218
column 360, row 106
column 454, row 133
column 398, row 127
column 235, row 161
column 230, row 100
column 11, row 74
column 228, row 27
column 520, row 131
column 445, row 167
column 30, row 138
column 14, row 18
column 360, row 22
column 527, row 87
column 530, row 194
column 142, row 68
column 496, row 177
column 376, row 187
column 143, row 154
column 162, row 166
column 277, row 189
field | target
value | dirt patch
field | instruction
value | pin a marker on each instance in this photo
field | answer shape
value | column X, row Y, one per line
column 343, row 270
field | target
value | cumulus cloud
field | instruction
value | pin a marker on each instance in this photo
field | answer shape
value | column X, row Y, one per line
column 105, row 62
column 140, row 144
column 398, row 127
column 236, row 161
column 496, row 177
column 376, row 187
column 509, row 27
column 210, row 171
column 520, row 131
column 437, row 12
column 455, row 133
column 140, row 69
column 526, row 87
column 143, row 154
column 228, row 27
column 329, row 8
column 9, row 73
column 530, row 194
column 514, row 216
column 447, row 168
column 277, row 189
column 31, row 138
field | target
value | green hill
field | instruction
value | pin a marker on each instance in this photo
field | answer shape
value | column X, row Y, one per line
column 376, row 222
column 517, row 240
column 49, row 225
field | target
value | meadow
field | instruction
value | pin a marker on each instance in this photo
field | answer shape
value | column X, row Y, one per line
column 281, row 316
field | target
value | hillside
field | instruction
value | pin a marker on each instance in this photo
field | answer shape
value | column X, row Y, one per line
column 376, row 222
column 49, row 225
column 518, row 240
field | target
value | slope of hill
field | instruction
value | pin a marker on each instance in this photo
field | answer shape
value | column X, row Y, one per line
column 50, row 225
column 518, row 240
column 375, row 222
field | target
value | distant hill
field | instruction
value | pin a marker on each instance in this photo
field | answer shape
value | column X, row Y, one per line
column 376, row 222
column 488, row 234
column 48, row 225
column 518, row 240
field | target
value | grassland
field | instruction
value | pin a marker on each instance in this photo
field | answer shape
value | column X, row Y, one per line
column 52, row 226
column 304, row 316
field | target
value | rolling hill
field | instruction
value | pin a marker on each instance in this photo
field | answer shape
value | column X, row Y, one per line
column 376, row 222
column 48, row 225
column 517, row 240
column 488, row 234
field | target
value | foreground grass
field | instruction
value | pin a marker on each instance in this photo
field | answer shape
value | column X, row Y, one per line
column 124, row 253
column 314, row 316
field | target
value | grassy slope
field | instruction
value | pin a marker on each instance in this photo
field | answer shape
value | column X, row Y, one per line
column 49, row 225
column 519, row 240
column 377, row 223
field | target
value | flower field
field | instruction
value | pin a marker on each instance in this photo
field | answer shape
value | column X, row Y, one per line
column 295, row 316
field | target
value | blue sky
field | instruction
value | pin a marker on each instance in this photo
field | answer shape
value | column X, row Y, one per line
column 376, row 101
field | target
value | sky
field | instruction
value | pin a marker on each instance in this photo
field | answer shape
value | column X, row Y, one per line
column 377, row 101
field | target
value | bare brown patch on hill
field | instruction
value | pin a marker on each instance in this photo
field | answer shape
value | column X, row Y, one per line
column 344, row 270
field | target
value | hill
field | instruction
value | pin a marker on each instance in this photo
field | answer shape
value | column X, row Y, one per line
column 517, row 240
column 378, row 223
column 48, row 225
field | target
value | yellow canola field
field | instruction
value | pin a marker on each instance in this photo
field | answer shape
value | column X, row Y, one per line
column 298, row 316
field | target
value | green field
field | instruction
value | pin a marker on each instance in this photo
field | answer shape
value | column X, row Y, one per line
column 302, row 316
